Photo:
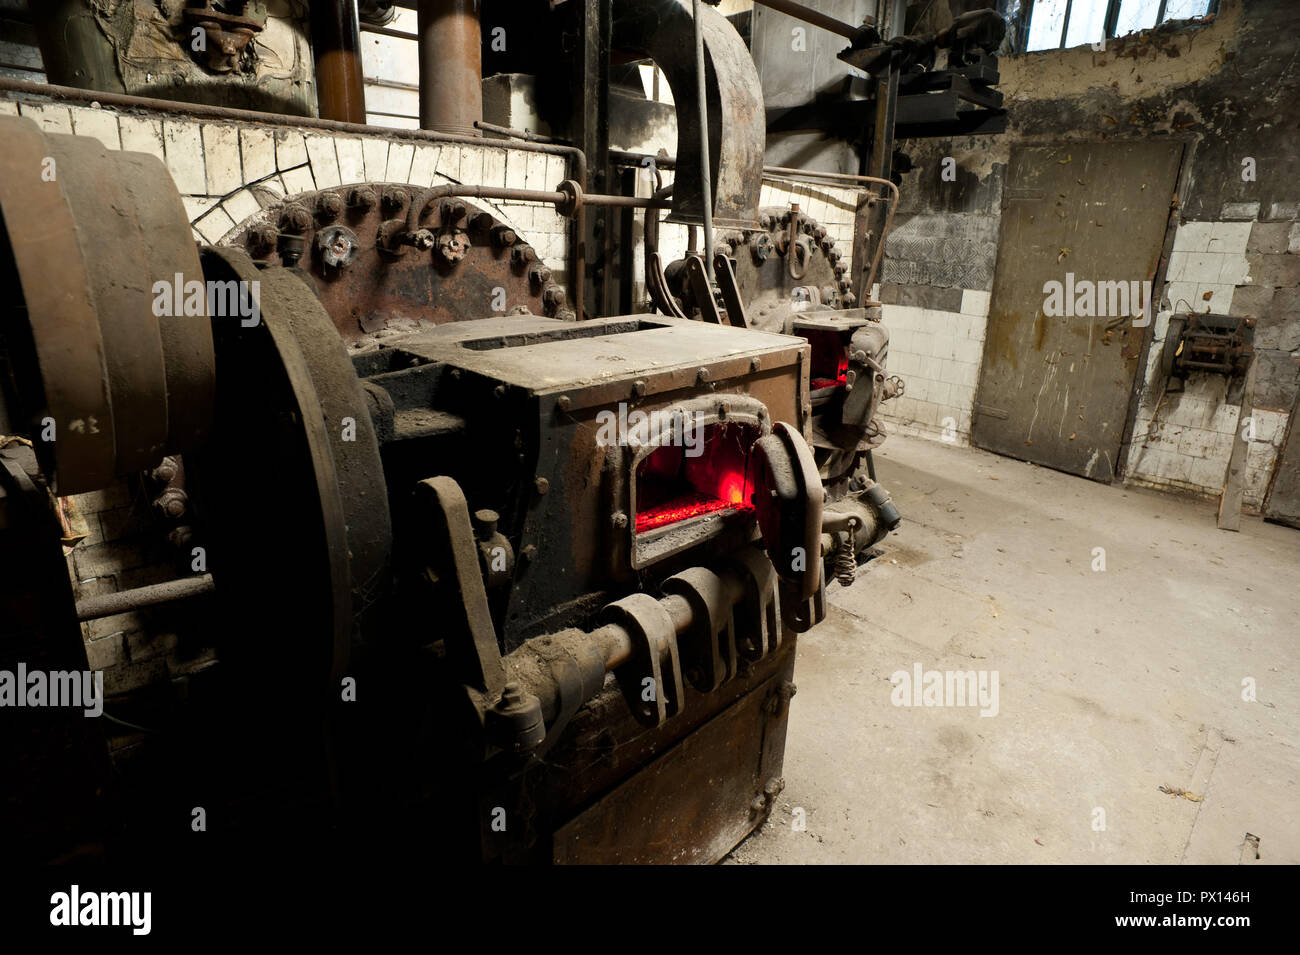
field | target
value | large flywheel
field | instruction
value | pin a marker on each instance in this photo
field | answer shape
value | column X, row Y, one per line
column 293, row 480
column 108, row 363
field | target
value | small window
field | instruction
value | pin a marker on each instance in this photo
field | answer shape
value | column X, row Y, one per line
column 1056, row 24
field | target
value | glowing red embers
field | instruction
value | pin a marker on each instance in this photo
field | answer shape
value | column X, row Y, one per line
column 830, row 361
column 707, row 475
column 684, row 508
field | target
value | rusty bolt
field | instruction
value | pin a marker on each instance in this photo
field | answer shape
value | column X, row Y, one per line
column 839, row 268
column 702, row 375
column 638, row 388
column 553, row 296
column 529, row 552
column 539, row 274
column 755, row 363
column 451, row 212
column 765, row 222
column 542, row 485
column 166, row 470
column 834, row 255
column 329, row 206
column 485, row 524
column 422, row 239
column 761, row 248
column 172, row 501
column 295, row 219
column 503, row 236
column 848, row 299
column 394, row 200
column 363, row 198
column 618, row 519
column 337, row 245
column 566, row 315
column 773, row 787
column 757, row 804
column 563, row 402
column 453, row 246
column 500, row 391
column 263, row 237
column 819, row 233
column 522, row 255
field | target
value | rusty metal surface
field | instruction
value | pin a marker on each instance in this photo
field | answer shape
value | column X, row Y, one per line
column 470, row 638
column 695, row 802
column 737, row 132
column 1056, row 389
column 380, row 292
column 451, row 65
column 113, row 247
column 186, row 340
column 121, row 383
column 763, row 272
column 124, row 601
column 63, row 327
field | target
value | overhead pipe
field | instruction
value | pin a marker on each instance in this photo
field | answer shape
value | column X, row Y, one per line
column 815, row 17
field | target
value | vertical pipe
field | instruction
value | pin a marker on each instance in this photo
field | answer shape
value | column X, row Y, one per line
column 336, row 43
column 451, row 66
column 703, row 102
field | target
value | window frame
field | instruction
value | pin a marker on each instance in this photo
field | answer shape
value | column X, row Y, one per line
column 1109, row 22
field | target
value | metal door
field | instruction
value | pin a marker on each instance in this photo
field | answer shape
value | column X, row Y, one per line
column 1060, row 361
column 1283, row 501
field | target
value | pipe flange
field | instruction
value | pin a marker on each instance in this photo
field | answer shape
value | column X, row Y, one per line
column 572, row 198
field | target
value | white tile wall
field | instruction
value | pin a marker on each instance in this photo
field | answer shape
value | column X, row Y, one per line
column 938, row 355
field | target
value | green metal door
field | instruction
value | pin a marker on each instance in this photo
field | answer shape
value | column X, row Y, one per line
column 1082, row 229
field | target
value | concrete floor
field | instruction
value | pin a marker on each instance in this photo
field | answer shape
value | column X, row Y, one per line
column 1111, row 684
